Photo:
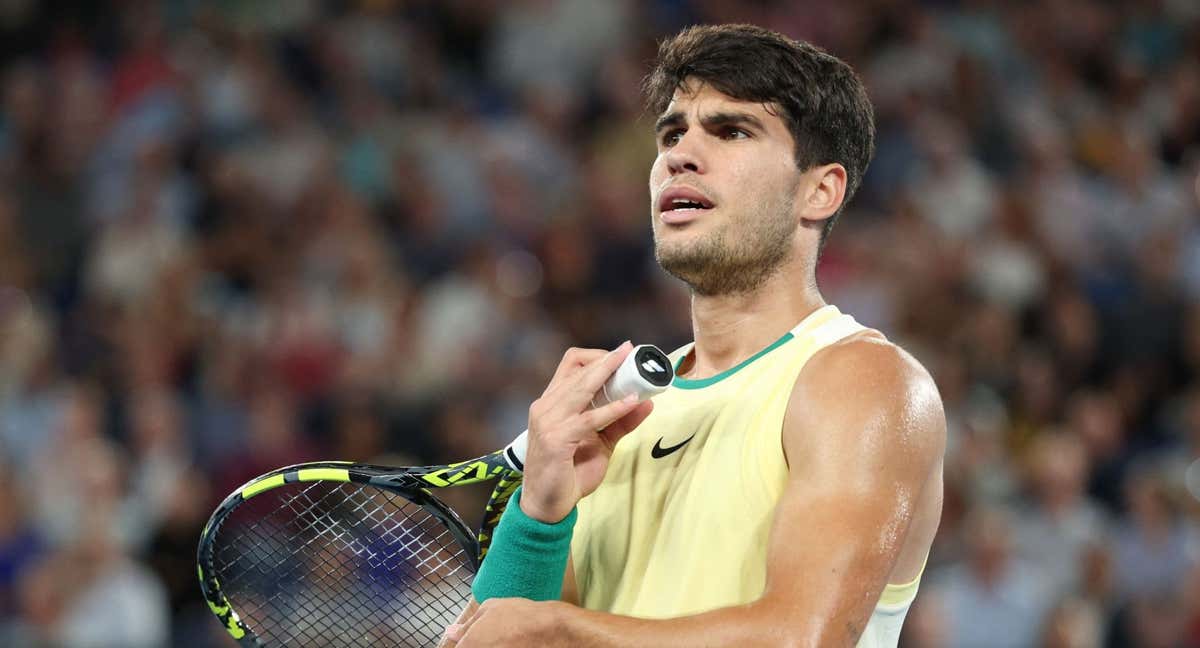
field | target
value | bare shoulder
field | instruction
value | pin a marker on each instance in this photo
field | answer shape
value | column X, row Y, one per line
column 867, row 395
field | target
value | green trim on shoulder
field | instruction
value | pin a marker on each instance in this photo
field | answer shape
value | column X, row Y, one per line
column 684, row 383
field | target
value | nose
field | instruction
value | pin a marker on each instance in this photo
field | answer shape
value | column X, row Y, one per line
column 684, row 157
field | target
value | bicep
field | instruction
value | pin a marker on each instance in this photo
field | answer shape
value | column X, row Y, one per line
column 831, row 551
column 862, row 435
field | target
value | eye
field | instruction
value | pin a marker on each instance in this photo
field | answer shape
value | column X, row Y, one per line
column 671, row 137
column 734, row 133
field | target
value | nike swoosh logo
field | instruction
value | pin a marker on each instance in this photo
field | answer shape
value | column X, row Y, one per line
column 658, row 452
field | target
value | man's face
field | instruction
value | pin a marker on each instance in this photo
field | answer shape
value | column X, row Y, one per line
column 722, row 191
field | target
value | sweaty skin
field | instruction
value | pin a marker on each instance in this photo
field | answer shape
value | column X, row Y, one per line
column 864, row 432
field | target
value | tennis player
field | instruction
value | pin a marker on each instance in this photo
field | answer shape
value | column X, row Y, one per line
column 786, row 489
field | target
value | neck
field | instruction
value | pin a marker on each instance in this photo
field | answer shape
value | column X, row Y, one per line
column 730, row 328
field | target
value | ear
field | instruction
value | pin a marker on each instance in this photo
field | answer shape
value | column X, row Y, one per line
column 822, row 192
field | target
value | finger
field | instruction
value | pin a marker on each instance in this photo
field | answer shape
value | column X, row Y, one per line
column 578, row 390
column 604, row 361
column 573, row 359
column 617, row 430
column 454, row 634
column 463, row 629
column 597, row 419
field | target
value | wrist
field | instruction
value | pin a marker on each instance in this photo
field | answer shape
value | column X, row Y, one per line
column 543, row 511
column 528, row 558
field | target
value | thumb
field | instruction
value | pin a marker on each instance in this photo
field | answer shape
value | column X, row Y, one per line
column 626, row 424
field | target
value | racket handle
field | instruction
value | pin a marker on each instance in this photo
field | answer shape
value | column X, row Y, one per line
column 514, row 454
column 646, row 371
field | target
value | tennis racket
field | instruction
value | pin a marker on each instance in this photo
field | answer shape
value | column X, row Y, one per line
column 338, row 553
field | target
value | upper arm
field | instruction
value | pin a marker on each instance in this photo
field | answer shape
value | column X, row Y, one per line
column 863, row 434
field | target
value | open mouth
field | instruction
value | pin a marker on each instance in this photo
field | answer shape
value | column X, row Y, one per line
column 680, row 201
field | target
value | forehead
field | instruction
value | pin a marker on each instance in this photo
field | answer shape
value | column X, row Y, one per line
column 695, row 96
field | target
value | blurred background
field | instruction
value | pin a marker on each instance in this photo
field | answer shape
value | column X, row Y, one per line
column 240, row 234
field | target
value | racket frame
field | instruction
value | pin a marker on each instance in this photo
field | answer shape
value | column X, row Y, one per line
column 414, row 484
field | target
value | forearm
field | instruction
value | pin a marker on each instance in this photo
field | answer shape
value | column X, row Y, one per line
column 756, row 624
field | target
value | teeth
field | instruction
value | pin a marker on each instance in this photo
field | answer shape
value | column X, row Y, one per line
column 690, row 204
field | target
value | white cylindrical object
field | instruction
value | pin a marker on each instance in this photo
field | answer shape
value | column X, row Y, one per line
column 514, row 454
column 646, row 371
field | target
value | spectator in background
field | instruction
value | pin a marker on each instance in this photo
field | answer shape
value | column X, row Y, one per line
column 1073, row 623
column 1154, row 547
column 996, row 599
column 159, row 459
column 110, row 601
column 926, row 624
column 20, row 544
column 172, row 556
column 1060, row 523
column 1097, row 419
column 87, row 591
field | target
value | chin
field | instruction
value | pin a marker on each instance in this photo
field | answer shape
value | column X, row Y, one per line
column 674, row 248
column 680, row 236
column 682, row 258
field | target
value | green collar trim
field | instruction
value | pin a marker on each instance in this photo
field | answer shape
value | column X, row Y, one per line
column 684, row 383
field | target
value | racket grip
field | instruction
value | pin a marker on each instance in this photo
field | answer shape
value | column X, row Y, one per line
column 646, row 371
column 514, row 454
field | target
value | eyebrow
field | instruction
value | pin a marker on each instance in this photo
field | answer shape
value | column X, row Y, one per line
column 676, row 118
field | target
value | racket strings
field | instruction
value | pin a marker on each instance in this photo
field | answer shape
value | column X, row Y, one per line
column 333, row 564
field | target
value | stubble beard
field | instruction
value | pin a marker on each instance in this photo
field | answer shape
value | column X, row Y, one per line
column 738, row 257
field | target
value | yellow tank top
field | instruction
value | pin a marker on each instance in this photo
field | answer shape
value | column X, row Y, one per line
column 680, row 523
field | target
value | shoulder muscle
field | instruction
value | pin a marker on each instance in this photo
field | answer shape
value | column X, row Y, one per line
column 864, row 402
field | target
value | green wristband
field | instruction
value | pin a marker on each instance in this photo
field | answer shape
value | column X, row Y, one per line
column 527, row 558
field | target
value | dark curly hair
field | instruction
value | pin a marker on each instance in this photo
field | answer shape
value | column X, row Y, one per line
column 818, row 96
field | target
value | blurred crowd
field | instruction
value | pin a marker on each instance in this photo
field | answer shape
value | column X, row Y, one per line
column 236, row 235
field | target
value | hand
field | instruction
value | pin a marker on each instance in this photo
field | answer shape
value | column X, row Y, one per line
column 570, row 443
column 515, row 622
